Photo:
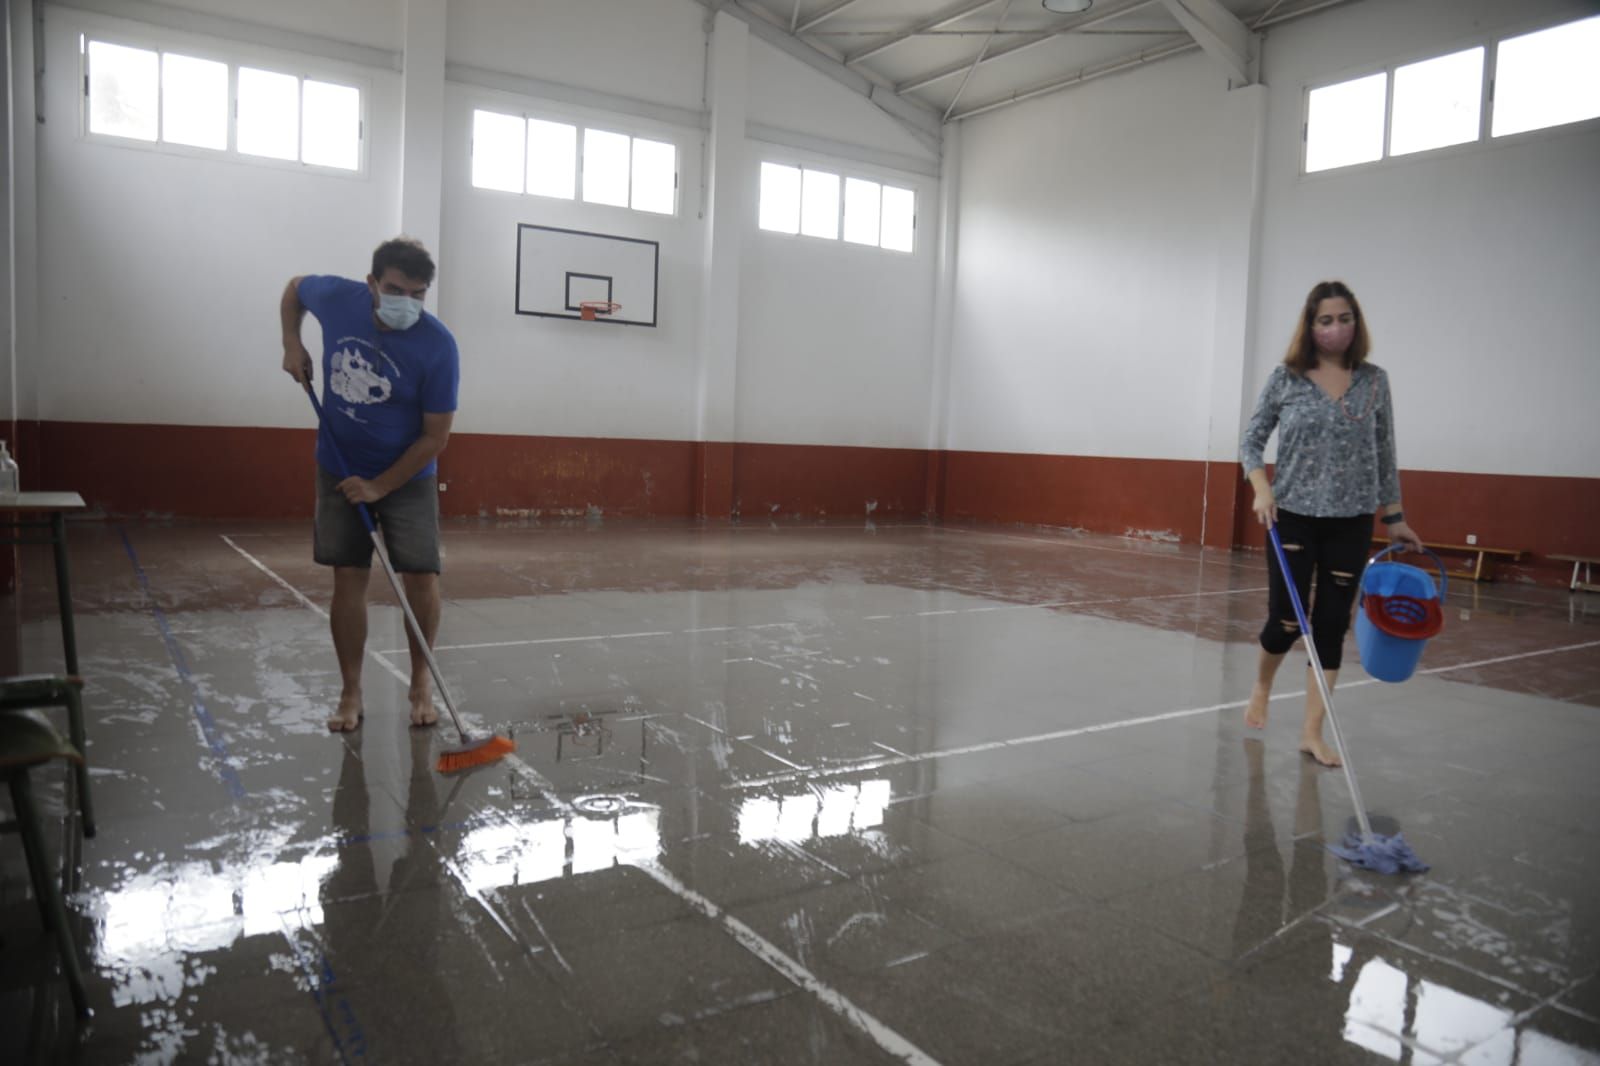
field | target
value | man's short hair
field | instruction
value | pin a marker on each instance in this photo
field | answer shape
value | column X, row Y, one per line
column 405, row 254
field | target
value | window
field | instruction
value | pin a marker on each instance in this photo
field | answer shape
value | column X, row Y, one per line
column 512, row 153
column 1547, row 78
column 1437, row 102
column 819, row 204
column 1344, row 123
column 1543, row 79
column 863, row 202
column 780, row 198
column 170, row 98
column 194, row 101
column 552, row 158
column 605, row 168
column 497, row 151
column 800, row 200
column 655, row 176
column 330, row 117
column 269, row 114
column 899, row 218
column 124, row 87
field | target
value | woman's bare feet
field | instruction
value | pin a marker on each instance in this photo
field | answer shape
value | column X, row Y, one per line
column 1320, row 751
column 422, row 712
column 1255, row 715
column 348, row 717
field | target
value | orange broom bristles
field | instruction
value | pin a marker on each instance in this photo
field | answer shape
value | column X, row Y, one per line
column 478, row 753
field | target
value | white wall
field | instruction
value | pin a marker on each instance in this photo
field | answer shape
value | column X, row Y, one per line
column 836, row 339
column 160, row 273
column 1086, row 283
column 527, row 375
column 1475, row 266
column 787, row 94
column 163, row 270
column 645, row 49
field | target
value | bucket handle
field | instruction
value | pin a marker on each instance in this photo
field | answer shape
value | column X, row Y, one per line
column 1444, row 575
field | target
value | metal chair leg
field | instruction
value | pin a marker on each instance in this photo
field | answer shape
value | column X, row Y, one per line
column 44, row 887
column 74, row 700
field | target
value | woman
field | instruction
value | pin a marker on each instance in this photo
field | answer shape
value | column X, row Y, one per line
column 1336, row 467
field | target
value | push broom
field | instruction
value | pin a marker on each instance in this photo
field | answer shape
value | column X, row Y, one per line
column 1384, row 854
column 471, row 753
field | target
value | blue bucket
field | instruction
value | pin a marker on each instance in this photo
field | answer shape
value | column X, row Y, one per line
column 1400, row 609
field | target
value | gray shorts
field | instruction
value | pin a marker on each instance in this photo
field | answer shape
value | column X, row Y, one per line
column 408, row 518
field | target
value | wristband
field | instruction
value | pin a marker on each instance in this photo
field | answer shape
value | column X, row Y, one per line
column 1394, row 519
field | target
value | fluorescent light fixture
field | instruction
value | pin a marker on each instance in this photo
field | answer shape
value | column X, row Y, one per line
column 1068, row 7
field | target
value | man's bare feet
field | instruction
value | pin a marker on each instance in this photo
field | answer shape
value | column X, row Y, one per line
column 422, row 712
column 1255, row 715
column 348, row 717
column 1320, row 751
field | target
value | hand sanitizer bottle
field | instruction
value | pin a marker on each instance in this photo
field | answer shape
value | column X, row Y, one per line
column 8, row 472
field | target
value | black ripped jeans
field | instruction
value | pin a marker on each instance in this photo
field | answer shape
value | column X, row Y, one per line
column 1335, row 549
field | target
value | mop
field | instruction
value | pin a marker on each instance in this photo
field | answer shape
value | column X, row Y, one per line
column 1384, row 854
column 471, row 752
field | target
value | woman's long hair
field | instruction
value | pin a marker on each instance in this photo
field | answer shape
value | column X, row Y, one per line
column 1302, row 354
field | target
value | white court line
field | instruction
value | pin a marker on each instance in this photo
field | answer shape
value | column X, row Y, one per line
column 1068, row 543
column 548, row 640
column 1106, row 727
column 763, row 949
column 880, row 1034
column 1512, row 658
column 1054, row 604
column 378, row 657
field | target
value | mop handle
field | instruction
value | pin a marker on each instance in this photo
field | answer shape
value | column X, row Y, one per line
column 394, row 579
column 1322, row 683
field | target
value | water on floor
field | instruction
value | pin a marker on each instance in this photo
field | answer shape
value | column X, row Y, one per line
column 800, row 794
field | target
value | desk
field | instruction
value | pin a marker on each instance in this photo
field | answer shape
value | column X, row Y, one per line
column 56, row 505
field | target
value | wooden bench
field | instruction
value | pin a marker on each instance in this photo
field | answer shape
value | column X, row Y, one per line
column 1482, row 568
column 1588, row 583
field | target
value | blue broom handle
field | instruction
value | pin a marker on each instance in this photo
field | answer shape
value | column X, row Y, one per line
column 338, row 456
column 1322, row 684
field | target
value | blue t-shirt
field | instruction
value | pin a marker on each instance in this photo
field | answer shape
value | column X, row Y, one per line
column 376, row 383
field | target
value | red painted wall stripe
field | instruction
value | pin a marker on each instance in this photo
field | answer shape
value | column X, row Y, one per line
column 233, row 472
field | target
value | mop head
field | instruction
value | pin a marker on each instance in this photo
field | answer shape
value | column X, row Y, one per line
column 477, row 753
column 1385, row 855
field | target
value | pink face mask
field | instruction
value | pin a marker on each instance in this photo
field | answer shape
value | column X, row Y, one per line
column 1335, row 338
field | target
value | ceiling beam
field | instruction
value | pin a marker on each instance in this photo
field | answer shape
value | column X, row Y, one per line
column 981, row 53
column 1272, row 16
column 1074, row 26
column 1220, row 33
column 823, row 16
column 920, row 121
column 907, row 34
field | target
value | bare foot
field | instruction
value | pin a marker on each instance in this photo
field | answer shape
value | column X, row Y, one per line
column 1255, row 715
column 1314, row 747
column 348, row 717
column 422, row 712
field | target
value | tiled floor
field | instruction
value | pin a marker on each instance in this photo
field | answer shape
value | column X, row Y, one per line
column 803, row 794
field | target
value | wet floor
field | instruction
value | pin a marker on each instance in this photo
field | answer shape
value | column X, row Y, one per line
column 802, row 794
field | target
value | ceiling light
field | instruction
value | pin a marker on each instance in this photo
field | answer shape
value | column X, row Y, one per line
column 1068, row 7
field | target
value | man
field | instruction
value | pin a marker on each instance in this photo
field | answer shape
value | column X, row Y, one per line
column 390, row 374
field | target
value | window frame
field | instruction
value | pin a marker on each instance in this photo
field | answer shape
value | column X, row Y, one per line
column 1485, row 140
column 845, row 169
column 233, row 56
column 634, row 128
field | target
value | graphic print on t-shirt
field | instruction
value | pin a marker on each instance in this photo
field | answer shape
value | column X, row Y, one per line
column 358, row 376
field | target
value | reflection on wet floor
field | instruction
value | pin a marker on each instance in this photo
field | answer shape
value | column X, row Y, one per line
column 804, row 794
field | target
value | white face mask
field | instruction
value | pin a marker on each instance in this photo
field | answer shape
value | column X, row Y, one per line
column 397, row 311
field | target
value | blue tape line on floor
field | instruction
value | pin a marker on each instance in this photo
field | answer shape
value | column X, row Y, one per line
column 208, row 724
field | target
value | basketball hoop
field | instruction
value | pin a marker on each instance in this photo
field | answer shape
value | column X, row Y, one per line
column 589, row 309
